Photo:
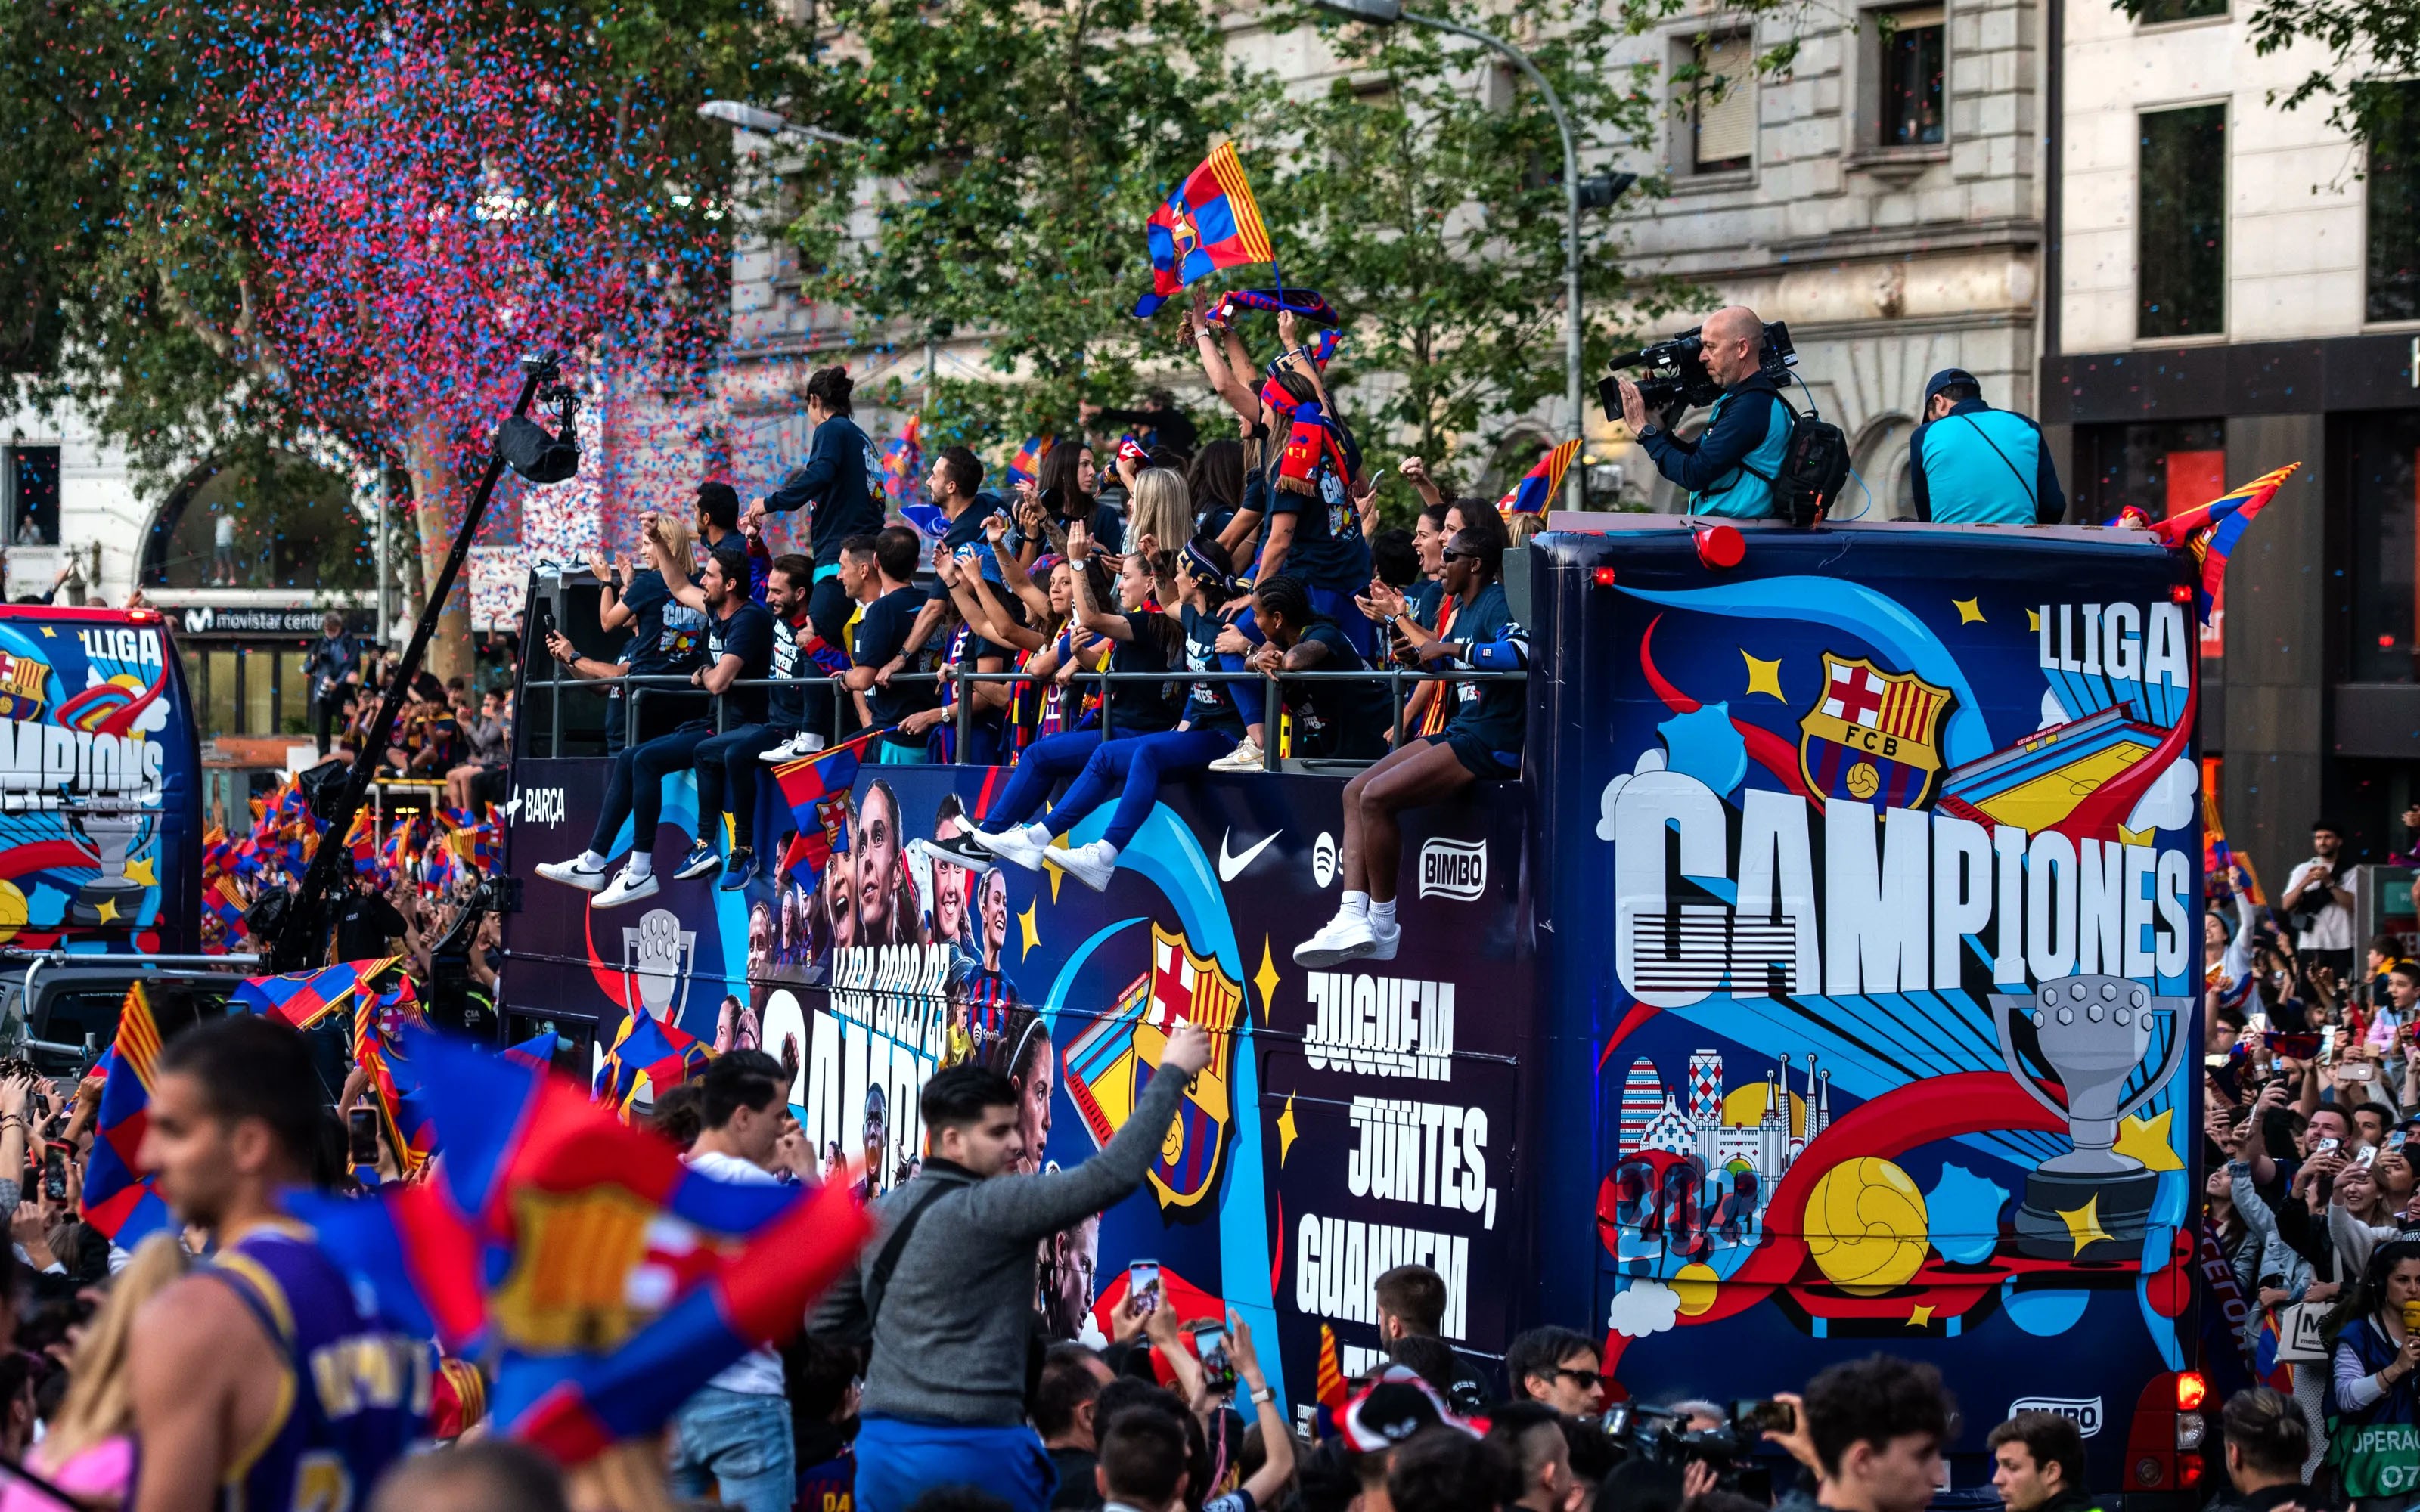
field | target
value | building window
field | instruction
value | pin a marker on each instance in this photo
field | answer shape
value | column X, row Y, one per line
column 2385, row 472
column 1722, row 105
column 1912, row 54
column 2395, row 211
column 2180, row 224
column 2158, row 12
column 33, row 480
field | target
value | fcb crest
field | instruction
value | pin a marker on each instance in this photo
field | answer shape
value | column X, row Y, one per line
column 1873, row 736
column 1106, row 1065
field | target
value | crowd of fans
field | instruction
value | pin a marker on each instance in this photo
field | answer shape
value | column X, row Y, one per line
column 2313, row 1098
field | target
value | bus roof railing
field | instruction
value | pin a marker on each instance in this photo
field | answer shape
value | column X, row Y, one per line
column 640, row 685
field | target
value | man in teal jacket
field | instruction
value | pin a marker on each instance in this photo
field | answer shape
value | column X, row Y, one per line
column 1970, row 464
column 1729, row 468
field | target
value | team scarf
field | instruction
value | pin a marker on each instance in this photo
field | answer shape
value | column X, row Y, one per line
column 1314, row 450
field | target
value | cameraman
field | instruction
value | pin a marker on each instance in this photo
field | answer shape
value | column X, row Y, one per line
column 1970, row 464
column 1729, row 469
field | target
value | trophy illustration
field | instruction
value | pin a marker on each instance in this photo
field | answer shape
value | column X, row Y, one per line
column 658, row 955
column 105, row 833
column 2093, row 1031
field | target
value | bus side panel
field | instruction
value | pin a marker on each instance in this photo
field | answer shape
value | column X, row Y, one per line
column 1352, row 1121
column 1883, row 872
column 100, row 785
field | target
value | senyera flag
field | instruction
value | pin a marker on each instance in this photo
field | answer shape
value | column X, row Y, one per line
column 903, row 458
column 119, row 1198
column 1541, row 484
column 1026, row 465
column 606, row 1279
column 2211, row 532
column 1211, row 222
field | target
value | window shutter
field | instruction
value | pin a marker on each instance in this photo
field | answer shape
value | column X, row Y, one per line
column 1726, row 126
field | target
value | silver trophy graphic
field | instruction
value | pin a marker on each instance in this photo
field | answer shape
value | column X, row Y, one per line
column 658, row 956
column 105, row 833
column 2094, row 1032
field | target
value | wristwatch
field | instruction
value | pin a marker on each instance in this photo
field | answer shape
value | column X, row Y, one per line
column 1263, row 1394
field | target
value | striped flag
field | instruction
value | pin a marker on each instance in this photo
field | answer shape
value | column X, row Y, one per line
column 1540, row 486
column 2210, row 533
column 119, row 1198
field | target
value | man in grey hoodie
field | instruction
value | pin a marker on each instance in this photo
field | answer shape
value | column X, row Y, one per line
column 953, row 1322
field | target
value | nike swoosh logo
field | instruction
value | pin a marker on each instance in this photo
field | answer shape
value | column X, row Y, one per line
column 1231, row 867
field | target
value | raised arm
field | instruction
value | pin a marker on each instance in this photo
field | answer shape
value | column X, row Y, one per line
column 612, row 612
column 1221, row 374
column 675, row 571
column 1090, row 615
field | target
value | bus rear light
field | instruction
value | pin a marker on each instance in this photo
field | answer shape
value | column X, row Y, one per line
column 1604, row 577
column 2192, row 1390
column 2189, row 1432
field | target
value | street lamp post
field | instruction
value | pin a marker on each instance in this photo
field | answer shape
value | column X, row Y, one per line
column 764, row 122
column 1598, row 192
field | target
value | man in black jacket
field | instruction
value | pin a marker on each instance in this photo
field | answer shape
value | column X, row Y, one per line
column 2038, row 1464
column 2268, row 1441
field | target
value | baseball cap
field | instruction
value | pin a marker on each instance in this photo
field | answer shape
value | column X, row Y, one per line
column 1395, row 1408
column 1942, row 380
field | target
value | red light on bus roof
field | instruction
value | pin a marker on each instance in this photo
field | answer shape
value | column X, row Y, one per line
column 2181, row 594
column 1604, row 577
column 1720, row 545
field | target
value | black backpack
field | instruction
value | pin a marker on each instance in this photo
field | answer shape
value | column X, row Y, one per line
column 1814, row 465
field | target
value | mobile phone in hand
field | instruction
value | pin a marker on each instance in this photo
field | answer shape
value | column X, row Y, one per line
column 1761, row 1418
column 54, row 1174
column 360, row 1126
column 1142, row 1284
column 1218, row 1367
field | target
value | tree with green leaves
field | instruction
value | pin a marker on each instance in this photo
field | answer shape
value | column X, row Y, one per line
column 337, row 225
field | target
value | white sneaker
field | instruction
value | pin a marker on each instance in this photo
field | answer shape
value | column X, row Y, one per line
column 626, row 888
column 804, row 744
column 1247, row 757
column 1339, row 940
column 1012, row 845
column 572, row 874
column 1091, row 865
column 1382, row 946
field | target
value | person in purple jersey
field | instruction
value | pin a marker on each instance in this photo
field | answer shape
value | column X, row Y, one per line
column 258, row 1380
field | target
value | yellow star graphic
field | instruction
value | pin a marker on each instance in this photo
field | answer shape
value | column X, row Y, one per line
column 2146, row 1140
column 2084, row 1224
column 1266, row 980
column 1025, row 923
column 1920, row 1316
column 1970, row 610
column 2033, row 621
column 1763, row 676
column 143, row 871
column 1052, row 867
column 2137, row 836
column 107, row 911
column 1285, row 1131
column 49, row 634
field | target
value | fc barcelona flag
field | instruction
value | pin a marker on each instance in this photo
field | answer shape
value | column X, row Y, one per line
column 1210, row 223
column 1873, row 736
column 1107, row 1064
column 300, row 999
column 1541, row 484
column 817, row 787
column 2211, row 532
column 646, row 1056
column 1026, row 465
column 117, row 1198
column 903, row 458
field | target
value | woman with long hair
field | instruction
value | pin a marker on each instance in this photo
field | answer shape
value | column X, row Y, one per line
column 1213, row 486
column 1066, row 482
column 2374, row 1428
column 89, row 1450
column 1160, row 516
column 667, row 636
column 1140, row 639
column 1133, row 768
column 888, row 909
column 836, row 487
column 1043, row 640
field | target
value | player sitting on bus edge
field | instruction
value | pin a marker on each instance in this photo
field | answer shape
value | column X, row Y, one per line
column 738, row 646
column 727, row 762
column 1481, row 742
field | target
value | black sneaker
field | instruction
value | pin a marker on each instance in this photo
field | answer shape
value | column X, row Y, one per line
column 957, row 850
column 700, row 860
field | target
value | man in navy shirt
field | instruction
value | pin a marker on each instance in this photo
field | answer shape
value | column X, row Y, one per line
column 739, row 644
column 836, row 486
column 727, row 760
column 911, row 708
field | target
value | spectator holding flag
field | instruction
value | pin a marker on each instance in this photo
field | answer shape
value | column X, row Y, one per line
column 945, row 1292
column 236, row 1117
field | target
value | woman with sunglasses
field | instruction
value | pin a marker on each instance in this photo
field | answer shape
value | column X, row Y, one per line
column 1481, row 742
column 1133, row 766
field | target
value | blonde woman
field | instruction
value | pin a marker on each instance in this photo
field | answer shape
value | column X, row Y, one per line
column 1159, row 515
column 90, row 1451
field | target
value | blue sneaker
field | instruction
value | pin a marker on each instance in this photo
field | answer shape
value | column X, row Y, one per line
column 698, row 862
column 737, row 871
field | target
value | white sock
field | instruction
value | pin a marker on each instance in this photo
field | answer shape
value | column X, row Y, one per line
column 1381, row 916
column 642, row 864
column 591, row 861
column 1106, row 851
column 1356, row 906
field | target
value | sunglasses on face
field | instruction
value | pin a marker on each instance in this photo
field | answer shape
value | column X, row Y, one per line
column 1589, row 1380
column 1450, row 555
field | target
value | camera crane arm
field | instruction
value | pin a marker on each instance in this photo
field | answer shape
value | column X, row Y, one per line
column 302, row 939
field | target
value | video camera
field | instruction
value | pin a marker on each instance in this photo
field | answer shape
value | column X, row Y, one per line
column 1658, row 1436
column 1676, row 376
